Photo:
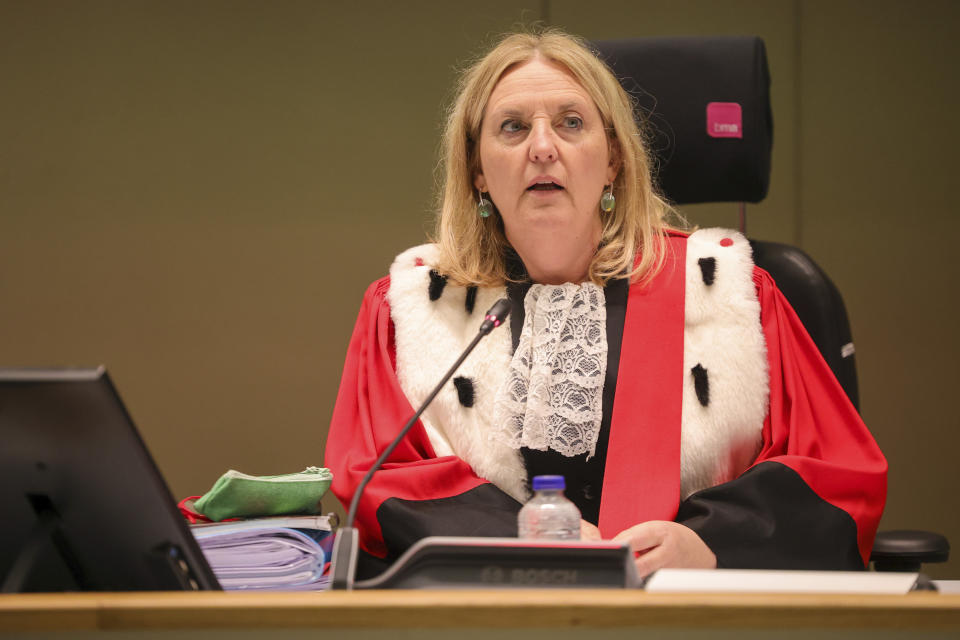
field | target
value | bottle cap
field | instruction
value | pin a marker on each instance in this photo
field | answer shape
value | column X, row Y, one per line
column 548, row 482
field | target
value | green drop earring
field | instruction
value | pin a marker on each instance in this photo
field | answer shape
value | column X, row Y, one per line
column 484, row 207
column 607, row 202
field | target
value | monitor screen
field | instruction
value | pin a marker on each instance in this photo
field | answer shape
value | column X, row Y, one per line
column 82, row 503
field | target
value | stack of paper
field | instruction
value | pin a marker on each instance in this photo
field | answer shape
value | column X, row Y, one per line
column 277, row 554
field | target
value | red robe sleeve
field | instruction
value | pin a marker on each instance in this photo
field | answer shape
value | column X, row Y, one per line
column 812, row 427
column 814, row 496
column 406, row 493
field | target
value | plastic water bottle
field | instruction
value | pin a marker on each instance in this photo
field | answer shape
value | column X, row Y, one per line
column 548, row 514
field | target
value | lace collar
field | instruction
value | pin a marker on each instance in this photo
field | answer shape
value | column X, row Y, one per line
column 552, row 397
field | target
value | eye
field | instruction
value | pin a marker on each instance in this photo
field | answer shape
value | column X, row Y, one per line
column 572, row 122
column 511, row 125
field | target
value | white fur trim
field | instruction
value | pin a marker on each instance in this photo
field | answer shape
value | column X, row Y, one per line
column 430, row 335
column 723, row 335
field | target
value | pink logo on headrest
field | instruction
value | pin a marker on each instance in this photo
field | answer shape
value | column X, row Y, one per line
column 724, row 120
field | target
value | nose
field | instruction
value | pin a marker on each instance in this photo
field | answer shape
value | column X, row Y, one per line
column 543, row 145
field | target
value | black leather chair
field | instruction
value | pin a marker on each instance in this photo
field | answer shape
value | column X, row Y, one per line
column 704, row 103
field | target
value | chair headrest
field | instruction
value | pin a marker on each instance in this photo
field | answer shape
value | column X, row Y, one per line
column 704, row 105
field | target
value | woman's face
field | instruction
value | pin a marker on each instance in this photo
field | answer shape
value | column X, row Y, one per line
column 544, row 156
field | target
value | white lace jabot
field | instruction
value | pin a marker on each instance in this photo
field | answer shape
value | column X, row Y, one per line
column 552, row 397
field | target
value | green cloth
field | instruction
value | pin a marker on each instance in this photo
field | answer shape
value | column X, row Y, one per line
column 238, row 495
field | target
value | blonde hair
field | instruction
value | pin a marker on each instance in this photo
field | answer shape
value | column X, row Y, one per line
column 472, row 248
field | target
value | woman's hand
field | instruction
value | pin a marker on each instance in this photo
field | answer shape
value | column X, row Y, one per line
column 659, row 544
column 589, row 531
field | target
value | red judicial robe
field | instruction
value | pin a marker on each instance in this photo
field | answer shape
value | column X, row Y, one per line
column 810, row 496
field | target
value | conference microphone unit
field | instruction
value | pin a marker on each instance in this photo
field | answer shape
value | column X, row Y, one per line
column 441, row 562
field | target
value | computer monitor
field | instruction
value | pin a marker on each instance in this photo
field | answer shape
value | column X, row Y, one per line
column 83, row 506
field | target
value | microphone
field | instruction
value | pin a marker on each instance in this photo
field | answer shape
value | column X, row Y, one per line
column 343, row 563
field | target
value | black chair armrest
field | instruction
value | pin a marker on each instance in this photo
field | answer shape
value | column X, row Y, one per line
column 907, row 550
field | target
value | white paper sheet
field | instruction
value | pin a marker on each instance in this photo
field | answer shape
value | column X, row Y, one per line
column 757, row 581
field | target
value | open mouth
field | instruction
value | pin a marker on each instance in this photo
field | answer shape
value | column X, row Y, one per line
column 545, row 186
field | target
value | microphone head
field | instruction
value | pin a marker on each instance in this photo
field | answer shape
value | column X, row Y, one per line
column 499, row 311
column 496, row 315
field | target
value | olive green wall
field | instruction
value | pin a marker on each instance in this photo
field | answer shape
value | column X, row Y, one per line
column 197, row 193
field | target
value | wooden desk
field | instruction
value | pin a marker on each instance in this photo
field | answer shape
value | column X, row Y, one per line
column 525, row 613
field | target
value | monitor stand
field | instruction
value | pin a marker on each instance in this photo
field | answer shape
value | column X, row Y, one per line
column 45, row 529
column 169, row 566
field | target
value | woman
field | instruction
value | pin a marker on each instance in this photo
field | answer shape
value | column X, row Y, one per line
column 662, row 374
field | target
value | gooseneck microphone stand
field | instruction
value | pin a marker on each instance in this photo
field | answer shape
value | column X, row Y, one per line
column 343, row 564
